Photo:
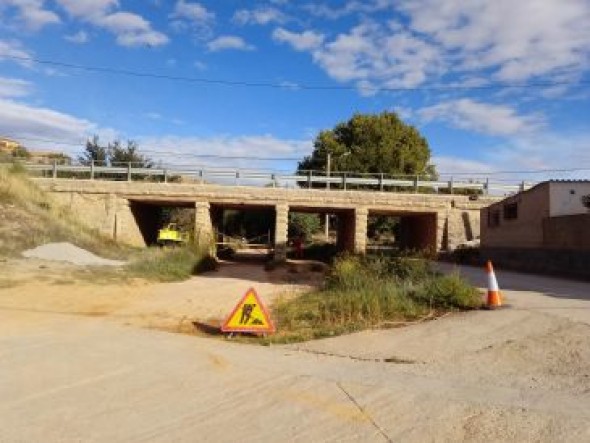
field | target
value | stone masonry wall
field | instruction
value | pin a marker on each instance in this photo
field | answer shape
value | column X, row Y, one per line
column 103, row 205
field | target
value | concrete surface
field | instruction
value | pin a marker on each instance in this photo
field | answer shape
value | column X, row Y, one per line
column 520, row 374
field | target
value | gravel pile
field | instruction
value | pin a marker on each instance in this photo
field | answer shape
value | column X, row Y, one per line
column 69, row 253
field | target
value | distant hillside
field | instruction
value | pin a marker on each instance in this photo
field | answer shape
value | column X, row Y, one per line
column 28, row 218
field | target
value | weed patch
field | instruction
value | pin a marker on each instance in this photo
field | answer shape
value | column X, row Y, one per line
column 169, row 264
column 368, row 292
column 29, row 218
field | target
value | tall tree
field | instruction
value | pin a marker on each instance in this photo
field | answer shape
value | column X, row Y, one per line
column 122, row 155
column 113, row 153
column 374, row 143
column 94, row 152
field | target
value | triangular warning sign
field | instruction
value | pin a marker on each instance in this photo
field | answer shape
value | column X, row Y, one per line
column 249, row 315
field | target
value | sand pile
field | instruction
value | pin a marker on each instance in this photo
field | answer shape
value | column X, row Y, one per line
column 69, row 253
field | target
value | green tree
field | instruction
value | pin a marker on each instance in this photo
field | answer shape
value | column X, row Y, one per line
column 371, row 143
column 94, row 152
column 303, row 225
column 113, row 153
column 118, row 155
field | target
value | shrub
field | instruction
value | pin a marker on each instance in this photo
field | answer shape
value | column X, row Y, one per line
column 169, row 264
column 448, row 292
column 363, row 292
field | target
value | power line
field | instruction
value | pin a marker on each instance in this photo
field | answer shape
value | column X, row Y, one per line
column 297, row 86
column 238, row 157
column 150, row 151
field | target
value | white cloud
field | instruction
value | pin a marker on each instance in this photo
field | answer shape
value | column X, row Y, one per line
column 369, row 55
column 32, row 13
column 304, row 41
column 79, row 37
column 484, row 118
column 193, row 17
column 200, row 66
column 88, row 10
column 432, row 41
column 11, row 48
column 259, row 16
column 519, row 40
column 455, row 165
column 186, row 150
column 349, row 7
column 130, row 29
column 194, row 12
column 33, row 125
column 13, row 87
column 226, row 42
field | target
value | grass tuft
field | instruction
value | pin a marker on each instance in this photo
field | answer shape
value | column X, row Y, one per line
column 367, row 292
column 170, row 264
column 29, row 218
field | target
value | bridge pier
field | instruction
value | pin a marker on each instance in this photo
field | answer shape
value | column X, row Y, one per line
column 352, row 230
column 281, row 231
column 361, row 221
column 204, row 226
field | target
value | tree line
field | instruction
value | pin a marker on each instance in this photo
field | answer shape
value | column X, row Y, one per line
column 113, row 154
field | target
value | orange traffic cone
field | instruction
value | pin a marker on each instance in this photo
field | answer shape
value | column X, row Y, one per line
column 494, row 296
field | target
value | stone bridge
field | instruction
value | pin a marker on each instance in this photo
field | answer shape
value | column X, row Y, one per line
column 126, row 211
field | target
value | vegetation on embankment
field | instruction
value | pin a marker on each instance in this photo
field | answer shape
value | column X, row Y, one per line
column 170, row 264
column 29, row 218
column 369, row 292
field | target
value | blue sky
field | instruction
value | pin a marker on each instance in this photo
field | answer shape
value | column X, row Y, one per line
column 448, row 67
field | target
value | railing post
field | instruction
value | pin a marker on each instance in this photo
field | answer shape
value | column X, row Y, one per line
column 381, row 181
column 54, row 169
column 91, row 169
column 451, row 185
column 309, row 179
column 416, row 184
column 344, row 181
column 129, row 171
column 165, row 175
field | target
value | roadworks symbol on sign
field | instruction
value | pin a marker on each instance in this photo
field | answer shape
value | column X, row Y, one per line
column 249, row 315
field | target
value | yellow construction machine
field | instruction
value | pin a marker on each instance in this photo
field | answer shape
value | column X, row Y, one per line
column 171, row 235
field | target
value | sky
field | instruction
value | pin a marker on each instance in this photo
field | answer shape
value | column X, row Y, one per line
column 497, row 85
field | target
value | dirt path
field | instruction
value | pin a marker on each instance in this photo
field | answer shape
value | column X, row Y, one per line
column 41, row 286
column 520, row 374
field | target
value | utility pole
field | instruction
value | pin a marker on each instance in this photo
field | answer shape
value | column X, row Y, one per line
column 327, row 216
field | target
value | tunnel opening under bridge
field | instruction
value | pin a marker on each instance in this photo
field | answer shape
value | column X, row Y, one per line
column 151, row 216
column 243, row 231
column 401, row 231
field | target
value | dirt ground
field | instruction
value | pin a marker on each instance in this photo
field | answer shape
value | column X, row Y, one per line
column 76, row 348
column 55, row 287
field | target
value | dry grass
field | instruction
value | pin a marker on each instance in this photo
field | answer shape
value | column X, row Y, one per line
column 29, row 217
column 369, row 292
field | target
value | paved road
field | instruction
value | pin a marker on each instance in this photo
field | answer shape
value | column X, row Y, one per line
column 484, row 376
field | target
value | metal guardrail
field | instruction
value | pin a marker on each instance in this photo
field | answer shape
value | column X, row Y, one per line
column 237, row 177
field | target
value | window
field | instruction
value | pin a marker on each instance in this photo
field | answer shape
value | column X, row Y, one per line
column 510, row 211
column 493, row 218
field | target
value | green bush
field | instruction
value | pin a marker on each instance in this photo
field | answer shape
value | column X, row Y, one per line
column 169, row 264
column 448, row 292
column 364, row 292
